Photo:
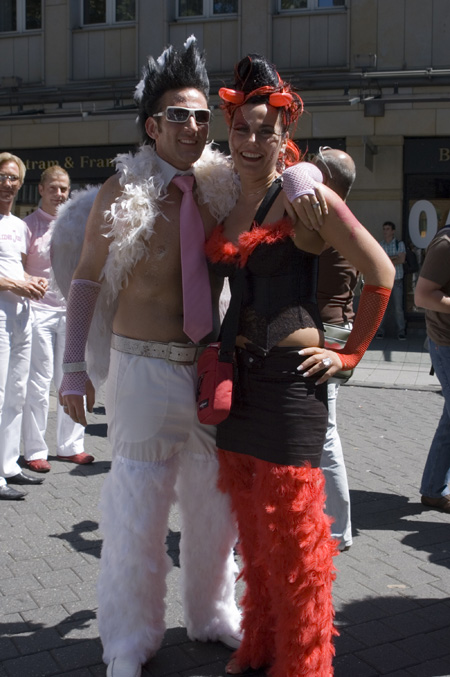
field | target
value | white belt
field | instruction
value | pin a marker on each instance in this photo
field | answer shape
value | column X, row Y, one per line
column 181, row 353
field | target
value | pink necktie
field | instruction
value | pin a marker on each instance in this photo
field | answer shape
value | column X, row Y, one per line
column 197, row 306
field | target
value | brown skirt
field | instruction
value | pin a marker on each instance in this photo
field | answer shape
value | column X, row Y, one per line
column 277, row 415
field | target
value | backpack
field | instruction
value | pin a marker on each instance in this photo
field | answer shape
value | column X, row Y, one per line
column 411, row 264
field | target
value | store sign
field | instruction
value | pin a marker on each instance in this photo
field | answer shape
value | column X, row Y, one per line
column 444, row 154
column 427, row 156
column 88, row 163
column 423, row 223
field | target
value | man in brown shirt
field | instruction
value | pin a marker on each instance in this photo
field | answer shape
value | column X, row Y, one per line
column 336, row 284
column 433, row 293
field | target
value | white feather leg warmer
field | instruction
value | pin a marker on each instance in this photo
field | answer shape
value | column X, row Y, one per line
column 208, row 534
column 135, row 504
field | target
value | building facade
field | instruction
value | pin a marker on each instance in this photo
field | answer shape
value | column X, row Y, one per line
column 374, row 76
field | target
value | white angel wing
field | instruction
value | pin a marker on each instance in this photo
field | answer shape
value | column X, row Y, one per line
column 67, row 235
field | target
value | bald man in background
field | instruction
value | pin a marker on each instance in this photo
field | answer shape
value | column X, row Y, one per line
column 335, row 292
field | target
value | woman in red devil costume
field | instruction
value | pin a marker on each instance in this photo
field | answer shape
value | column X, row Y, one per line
column 270, row 445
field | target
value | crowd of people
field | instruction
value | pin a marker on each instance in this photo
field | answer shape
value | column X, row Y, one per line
column 16, row 291
column 32, row 333
column 270, row 479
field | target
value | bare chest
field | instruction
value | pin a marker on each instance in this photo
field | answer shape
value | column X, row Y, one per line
column 161, row 264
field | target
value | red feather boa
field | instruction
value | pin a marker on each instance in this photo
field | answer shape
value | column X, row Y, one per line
column 219, row 249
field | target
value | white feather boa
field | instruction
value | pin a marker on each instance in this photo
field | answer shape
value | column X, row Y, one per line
column 134, row 213
column 133, row 217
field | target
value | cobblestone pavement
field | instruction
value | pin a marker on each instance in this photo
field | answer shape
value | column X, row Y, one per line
column 391, row 592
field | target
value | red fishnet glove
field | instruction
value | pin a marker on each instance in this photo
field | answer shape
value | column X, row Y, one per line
column 80, row 309
column 372, row 304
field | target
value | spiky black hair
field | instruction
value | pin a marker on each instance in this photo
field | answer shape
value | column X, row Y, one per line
column 174, row 69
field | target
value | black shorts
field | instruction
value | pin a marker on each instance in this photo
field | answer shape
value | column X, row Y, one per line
column 277, row 415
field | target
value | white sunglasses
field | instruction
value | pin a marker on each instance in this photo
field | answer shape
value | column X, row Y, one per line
column 181, row 114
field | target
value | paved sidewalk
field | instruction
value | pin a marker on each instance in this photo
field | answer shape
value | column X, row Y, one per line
column 397, row 364
column 392, row 587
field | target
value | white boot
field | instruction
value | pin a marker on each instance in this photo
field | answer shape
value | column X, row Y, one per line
column 124, row 667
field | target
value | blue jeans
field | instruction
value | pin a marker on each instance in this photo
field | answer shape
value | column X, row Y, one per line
column 333, row 467
column 436, row 472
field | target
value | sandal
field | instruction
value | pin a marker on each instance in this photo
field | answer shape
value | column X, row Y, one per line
column 233, row 667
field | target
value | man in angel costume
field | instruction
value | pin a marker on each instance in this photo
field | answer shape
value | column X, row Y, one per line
column 131, row 265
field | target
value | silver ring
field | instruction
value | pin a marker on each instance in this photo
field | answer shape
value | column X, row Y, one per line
column 327, row 362
column 316, row 205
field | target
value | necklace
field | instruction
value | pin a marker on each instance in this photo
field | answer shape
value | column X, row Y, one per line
column 264, row 189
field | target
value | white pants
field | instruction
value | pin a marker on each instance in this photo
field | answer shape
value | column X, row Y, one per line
column 333, row 466
column 168, row 456
column 15, row 349
column 47, row 350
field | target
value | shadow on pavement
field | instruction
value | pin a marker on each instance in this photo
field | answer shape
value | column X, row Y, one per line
column 376, row 510
column 31, row 649
column 413, row 636
column 78, row 540
column 90, row 469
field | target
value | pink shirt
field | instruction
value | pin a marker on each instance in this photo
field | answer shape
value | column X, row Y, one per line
column 38, row 256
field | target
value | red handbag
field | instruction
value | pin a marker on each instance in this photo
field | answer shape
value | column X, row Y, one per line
column 214, row 386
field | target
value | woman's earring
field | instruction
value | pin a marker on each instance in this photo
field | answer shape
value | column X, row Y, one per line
column 282, row 161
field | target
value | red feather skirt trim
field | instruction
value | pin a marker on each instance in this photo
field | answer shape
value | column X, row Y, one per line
column 287, row 552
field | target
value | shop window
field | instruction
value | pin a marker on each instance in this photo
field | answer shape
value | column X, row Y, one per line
column 289, row 5
column 108, row 11
column 20, row 15
column 205, row 8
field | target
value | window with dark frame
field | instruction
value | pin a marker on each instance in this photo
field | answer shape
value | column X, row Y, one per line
column 225, row 7
column 125, row 10
column 108, row 11
column 20, row 15
column 191, row 8
column 331, row 3
column 94, row 11
column 286, row 5
column 294, row 4
column 33, row 15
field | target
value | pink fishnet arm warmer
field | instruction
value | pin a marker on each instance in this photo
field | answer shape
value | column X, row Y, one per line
column 80, row 309
column 372, row 305
column 301, row 179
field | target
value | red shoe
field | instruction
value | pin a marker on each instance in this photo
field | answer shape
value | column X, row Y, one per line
column 79, row 459
column 39, row 465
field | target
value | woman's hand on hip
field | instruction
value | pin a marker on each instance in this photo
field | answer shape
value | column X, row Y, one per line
column 318, row 359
